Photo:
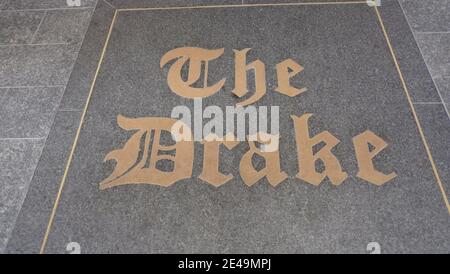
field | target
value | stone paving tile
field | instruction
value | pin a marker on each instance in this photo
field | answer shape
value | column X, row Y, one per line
column 63, row 26
column 18, row 27
column 435, row 49
column 121, row 4
column 40, row 4
column 28, row 112
column 191, row 216
column 82, row 75
column 18, row 159
column 428, row 15
column 48, row 65
column 436, row 126
column 417, row 77
column 443, row 84
column 33, row 218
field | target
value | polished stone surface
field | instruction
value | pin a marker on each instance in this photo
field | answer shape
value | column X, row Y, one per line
column 420, row 85
column 33, row 75
column 405, row 215
column 435, row 49
column 40, row 4
column 28, row 112
column 63, row 26
column 18, row 158
column 36, row 65
column 428, row 15
column 19, row 27
column 84, row 69
column 436, row 125
column 443, row 84
column 27, row 236
column 32, row 221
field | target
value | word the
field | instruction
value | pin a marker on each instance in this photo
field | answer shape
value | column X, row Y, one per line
column 199, row 57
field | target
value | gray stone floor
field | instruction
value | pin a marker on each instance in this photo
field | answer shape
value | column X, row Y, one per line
column 430, row 22
column 39, row 46
column 39, row 43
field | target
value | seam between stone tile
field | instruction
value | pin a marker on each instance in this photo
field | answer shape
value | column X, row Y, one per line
column 51, row 121
column 36, row 44
column 38, row 160
column 109, row 4
column 77, row 135
column 62, row 95
column 421, row 53
column 70, row 109
column 432, row 32
column 30, row 179
column 49, row 9
column 38, row 28
column 44, row 146
column 26, row 138
column 40, row 86
column 427, row 103
column 76, row 59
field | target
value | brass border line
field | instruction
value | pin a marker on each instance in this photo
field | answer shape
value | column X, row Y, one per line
column 58, row 197
column 247, row 5
column 411, row 105
column 63, row 180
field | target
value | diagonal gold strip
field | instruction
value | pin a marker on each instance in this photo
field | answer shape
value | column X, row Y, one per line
column 411, row 105
column 247, row 5
column 77, row 136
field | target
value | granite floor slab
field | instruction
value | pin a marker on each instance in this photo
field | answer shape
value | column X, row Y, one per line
column 83, row 73
column 353, row 85
column 43, row 4
column 63, row 26
column 17, row 163
column 443, row 84
column 28, row 112
column 434, row 119
column 40, row 197
column 37, row 57
column 428, row 15
column 434, row 48
column 18, row 27
column 28, row 65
